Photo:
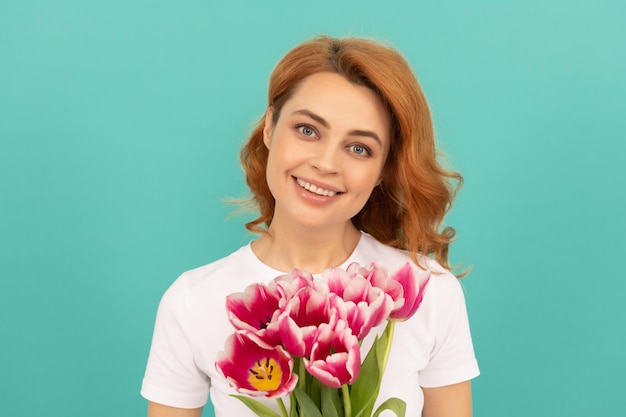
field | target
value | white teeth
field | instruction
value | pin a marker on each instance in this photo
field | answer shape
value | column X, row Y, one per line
column 312, row 188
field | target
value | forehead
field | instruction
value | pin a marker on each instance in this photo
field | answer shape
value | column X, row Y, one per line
column 340, row 102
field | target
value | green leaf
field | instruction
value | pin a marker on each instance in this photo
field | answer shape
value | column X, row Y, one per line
column 396, row 405
column 332, row 406
column 307, row 406
column 258, row 408
column 366, row 386
column 380, row 345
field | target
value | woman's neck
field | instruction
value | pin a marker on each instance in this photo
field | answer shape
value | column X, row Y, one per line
column 286, row 248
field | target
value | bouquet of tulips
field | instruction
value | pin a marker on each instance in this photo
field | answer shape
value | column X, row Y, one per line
column 300, row 337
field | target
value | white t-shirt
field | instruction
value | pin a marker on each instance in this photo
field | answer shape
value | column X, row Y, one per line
column 431, row 349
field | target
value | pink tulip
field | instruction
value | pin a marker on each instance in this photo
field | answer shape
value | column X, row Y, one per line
column 379, row 277
column 362, row 305
column 256, row 309
column 289, row 284
column 304, row 320
column 337, row 362
column 413, row 281
column 255, row 368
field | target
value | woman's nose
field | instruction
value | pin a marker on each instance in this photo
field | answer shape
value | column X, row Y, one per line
column 326, row 160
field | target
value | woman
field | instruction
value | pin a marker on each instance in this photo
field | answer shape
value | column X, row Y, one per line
column 342, row 169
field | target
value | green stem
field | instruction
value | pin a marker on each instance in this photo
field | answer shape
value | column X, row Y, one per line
column 301, row 374
column 292, row 407
column 391, row 325
column 281, row 405
column 347, row 405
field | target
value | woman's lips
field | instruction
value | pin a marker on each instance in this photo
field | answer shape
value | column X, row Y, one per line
column 316, row 189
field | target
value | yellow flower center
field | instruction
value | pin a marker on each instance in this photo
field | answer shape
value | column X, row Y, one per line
column 265, row 375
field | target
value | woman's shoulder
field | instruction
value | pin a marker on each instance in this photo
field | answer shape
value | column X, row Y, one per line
column 217, row 265
column 231, row 271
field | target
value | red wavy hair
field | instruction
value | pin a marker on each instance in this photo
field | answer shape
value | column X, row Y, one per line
column 407, row 210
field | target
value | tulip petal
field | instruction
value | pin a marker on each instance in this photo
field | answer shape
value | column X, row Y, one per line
column 255, row 309
column 338, row 362
column 255, row 368
column 302, row 318
column 361, row 304
column 413, row 281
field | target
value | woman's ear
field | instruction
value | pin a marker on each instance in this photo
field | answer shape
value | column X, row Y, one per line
column 269, row 126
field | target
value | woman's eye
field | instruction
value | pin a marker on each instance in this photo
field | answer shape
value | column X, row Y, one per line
column 360, row 150
column 306, row 130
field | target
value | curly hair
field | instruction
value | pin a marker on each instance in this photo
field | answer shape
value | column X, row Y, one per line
column 407, row 210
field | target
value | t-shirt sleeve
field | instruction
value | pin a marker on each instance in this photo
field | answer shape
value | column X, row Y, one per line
column 452, row 358
column 172, row 377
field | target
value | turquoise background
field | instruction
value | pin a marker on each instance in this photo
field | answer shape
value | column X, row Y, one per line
column 120, row 123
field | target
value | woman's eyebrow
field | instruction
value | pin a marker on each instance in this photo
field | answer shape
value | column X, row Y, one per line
column 367, row 133
column 319, row 119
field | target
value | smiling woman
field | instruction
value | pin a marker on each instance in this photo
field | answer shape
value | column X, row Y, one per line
column 342, row 168
column 326, row 154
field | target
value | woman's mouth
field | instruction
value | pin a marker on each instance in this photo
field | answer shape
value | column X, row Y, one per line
column 314, row 189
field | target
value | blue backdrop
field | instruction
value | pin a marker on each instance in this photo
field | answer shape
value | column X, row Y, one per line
column 120, row 124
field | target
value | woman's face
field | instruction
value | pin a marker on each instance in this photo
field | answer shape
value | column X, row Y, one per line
column 326, row 151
